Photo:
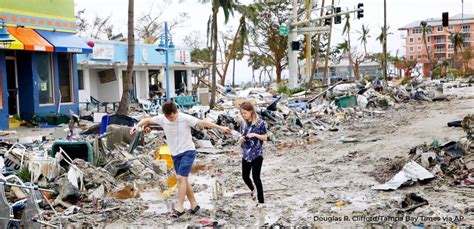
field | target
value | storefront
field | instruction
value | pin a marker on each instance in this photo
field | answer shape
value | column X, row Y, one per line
column 39, row 69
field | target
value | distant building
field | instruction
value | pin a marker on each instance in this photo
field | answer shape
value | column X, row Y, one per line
column 438, row 42
column 101, row 72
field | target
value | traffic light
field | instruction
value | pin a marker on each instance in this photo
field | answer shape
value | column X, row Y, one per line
column 327, row 21
column 445, row 19
column 337, row 19
column 295, row 45
column 360, row 13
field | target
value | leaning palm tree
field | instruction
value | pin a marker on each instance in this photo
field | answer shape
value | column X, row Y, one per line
column 364, row 34
column 227, row 8
column 247, row 13
column 458, row 42
column 426, row 29
column 347, row 30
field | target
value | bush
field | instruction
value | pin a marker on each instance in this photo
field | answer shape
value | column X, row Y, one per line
column 284, row 89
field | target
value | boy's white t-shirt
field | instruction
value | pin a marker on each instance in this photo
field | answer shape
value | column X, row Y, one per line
column 178, row 133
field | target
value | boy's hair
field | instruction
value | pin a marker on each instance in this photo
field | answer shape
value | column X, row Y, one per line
column 169, row 108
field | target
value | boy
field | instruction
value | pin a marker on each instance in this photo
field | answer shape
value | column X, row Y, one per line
column 177, row 128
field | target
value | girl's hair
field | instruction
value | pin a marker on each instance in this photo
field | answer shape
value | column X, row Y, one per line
column 249, row 107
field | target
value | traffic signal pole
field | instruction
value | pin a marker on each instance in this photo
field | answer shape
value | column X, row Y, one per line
column 293, row 54
column 292, row 36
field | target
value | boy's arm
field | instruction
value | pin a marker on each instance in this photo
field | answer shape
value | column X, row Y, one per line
column 204, row 123
column 143, row 123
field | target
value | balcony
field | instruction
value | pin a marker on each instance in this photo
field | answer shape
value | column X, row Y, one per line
column 440, row 50
column 440, row 41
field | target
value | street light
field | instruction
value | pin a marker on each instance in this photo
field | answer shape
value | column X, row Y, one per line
column 164, row 47
column 5, row 39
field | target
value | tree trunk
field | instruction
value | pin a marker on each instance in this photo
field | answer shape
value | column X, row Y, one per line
column 127, row 79
column 350, row 55
column 278, row 72
column 328, row 51
column 231, row 53
column 233, row 74
column 316, row 53
column 214, row 54
column 356, row 70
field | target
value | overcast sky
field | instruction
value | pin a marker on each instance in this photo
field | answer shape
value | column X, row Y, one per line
column 399, row 13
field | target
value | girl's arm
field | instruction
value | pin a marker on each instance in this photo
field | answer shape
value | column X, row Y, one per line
column 262, row 137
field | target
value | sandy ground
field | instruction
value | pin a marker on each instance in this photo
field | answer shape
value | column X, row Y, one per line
column 328, row 183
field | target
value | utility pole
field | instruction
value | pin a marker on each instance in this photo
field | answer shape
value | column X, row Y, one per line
column 293, row 54
column 326, row 78
column 308, row 43
column 385, row 39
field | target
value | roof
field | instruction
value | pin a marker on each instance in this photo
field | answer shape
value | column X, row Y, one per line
column 454, row 20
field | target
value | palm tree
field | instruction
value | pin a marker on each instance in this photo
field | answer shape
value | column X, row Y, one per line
column 364, row 34
column 458, row 42
column 227, row 7
column 426, row 29
column 347, row 29
column 247, row 12
column 127, row 78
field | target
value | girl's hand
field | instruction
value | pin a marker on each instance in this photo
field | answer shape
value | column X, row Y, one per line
column 147, row 130
column 252, row 135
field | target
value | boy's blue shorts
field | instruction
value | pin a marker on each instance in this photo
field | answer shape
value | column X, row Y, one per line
column 183, row 162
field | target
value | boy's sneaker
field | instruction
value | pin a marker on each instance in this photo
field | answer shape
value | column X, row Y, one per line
column 260, row 205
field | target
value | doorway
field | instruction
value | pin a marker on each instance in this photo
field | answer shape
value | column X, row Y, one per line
column 180, row 81
column 12, row 86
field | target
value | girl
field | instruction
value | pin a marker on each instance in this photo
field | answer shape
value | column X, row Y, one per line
column 253, row 133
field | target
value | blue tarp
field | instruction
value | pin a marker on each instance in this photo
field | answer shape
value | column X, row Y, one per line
column 65, row 42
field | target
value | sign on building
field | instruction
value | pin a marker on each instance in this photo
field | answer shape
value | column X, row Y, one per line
column 182, row 56
column 103, row 52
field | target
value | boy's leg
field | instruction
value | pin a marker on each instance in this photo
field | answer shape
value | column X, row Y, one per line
column 181, row 184
column 181, row 192
column 184, row 188
column 190, row 194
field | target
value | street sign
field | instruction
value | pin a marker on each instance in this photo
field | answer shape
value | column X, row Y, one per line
column 283, row 30
column 313, row 29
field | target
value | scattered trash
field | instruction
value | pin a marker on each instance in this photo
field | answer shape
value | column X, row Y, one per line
column 410, row 173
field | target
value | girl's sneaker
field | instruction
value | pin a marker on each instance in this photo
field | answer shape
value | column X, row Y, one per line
column 253, row 194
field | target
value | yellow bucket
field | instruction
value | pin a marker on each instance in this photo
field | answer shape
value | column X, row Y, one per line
column 13, row 123
column 163, row 153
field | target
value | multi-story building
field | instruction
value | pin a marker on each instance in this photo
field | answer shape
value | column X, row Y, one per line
column 438, row 43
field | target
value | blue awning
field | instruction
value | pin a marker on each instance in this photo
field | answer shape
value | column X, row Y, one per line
column 65, row 42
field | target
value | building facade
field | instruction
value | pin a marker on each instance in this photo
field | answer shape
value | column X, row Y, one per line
column 38, row 70
column 438, row 43
column 101, row 72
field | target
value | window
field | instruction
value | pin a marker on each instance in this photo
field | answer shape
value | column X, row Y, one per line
column 80, row 76
column 419, row 56
column 428, row 40
column 411, row 48
column 419, row 48
column 411, row 57
column 411, row 39
column 65, row 77
column 440, row 28
column 466, row 45
column 450, row 55
column 419, row 39
column 451, row 27
column 466, row 37
column 416, row 31
column 450, row 46
column 466, row 28
column 45, row 78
